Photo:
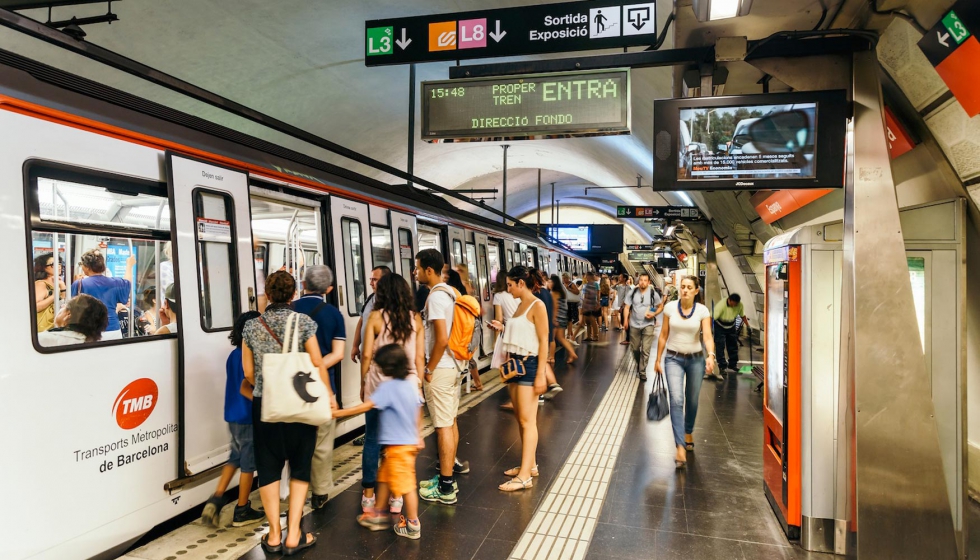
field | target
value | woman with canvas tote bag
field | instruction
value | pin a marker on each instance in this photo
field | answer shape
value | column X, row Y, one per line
column 280, row 329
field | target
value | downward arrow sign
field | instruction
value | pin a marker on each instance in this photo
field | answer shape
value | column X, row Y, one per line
column 942, row 38
column 498, row 35
column 404, row 42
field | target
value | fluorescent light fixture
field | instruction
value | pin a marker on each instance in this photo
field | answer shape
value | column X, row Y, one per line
column 711, row 10
column 683, row 196
column 670, row 231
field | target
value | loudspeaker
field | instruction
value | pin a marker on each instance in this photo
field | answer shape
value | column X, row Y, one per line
column 663, row 145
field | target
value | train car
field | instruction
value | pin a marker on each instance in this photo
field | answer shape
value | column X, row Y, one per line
column 114, row 437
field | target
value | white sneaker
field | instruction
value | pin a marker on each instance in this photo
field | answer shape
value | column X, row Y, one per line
column 395, row 505
column 574, row 342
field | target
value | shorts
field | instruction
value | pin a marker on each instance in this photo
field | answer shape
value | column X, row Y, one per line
column 604, row 302
column 595, row 313
column 398, row 469
column 242, row 447
column 572, row 312
column 442, row 396
column 281, row 442
column 530, row 369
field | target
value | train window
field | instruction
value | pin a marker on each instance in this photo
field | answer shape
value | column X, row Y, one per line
column 354, row 263
column 510, row 259
column 471, row 265
column 217, row 261
column 111, row 235
column 406, row 253
column 484, row 273
column 286, row 237
column 458, row 252
column 494, row 261
column 429, row 239
column 381, row 250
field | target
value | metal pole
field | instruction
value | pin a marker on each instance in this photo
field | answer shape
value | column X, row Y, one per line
column 504, row 207
column 553, row 204
column 539, row 200
column 557, row 212
column 411, row 121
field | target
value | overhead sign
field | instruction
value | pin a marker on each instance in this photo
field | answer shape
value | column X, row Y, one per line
column 660, row 212
column 775, row 205
column 639, row 247
column 569, row 26
column 539, row 105
column 952, row 48
column 899, row 141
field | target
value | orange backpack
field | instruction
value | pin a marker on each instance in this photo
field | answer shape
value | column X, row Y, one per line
column 466, row 309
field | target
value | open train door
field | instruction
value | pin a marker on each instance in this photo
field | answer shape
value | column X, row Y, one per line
column 404, row 230
column 349, row 228
column 215, row 277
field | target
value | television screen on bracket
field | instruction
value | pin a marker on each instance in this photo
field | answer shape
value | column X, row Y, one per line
column 750, row 142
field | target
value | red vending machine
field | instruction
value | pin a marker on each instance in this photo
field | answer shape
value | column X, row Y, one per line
column 781, row 397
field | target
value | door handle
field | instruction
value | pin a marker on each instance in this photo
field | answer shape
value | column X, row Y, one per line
column 252, row 305
column 340, row 292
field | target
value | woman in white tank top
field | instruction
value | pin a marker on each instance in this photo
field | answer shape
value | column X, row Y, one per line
column 686, row 324
column 525, row 338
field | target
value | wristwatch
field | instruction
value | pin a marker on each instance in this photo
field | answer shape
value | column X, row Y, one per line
column 427, row 372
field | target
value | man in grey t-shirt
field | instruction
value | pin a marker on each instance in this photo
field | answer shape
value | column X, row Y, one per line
column 643, row 305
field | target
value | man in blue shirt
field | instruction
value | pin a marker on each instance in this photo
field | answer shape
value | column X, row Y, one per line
column 110, row 291
column 331, row 335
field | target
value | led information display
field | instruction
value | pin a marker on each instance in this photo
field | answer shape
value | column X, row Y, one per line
column 533, row 106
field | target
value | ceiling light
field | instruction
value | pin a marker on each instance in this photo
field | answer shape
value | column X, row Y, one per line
column 670, row 231
column 711, row 10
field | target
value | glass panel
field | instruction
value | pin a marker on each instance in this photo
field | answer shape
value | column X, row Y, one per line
column 776, row 309
column 494, row 258
column 484, row 273
column 216, row 260
column 917, row 273
column 510, row 259
column 429, row 239
column 407, row 255
column 286, row 237
column 354, row 263
column 458, row 252
column 382, row 253
column 471, row 267
column 92, row 205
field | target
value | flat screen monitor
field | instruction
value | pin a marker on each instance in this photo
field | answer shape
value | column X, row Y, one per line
column 750, row 142
column 576, row 237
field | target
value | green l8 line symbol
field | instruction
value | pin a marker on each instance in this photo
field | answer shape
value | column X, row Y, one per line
column 379, row 41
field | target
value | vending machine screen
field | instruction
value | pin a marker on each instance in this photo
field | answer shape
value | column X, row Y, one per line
column 776, row 302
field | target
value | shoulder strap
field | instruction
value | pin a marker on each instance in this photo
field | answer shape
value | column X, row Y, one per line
column 319, row 308
column 272, row 334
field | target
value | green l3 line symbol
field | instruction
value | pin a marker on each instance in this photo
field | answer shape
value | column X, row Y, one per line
column 956, row 28
column 379, row 41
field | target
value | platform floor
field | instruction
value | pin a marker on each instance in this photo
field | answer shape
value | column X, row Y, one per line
column 714, row 510
column 608, row 487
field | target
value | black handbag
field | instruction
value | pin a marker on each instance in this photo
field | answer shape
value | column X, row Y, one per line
column 658, row 405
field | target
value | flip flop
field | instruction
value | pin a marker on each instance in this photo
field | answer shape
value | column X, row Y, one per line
column 269, row 548
column 306, row 543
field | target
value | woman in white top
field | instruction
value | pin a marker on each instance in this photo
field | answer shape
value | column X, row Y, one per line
column 525, row 338
column 686, row 324
column 504, row 304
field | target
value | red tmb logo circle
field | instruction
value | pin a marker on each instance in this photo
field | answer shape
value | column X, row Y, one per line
column 135, row 403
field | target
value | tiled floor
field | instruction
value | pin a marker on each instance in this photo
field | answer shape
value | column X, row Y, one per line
column 714, row 510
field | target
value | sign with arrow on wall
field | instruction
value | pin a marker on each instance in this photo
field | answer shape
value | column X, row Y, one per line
column 568, row 26
column 952, row 48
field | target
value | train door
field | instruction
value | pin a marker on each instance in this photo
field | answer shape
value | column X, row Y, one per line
column 533, row 258
column 471, row 267
column 404, row 232
column 349, row 222
column 482, row 267
column 457, row 254
column 495, row 260
column 216, row 282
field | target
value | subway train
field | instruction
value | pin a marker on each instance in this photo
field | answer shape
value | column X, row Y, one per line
column 103, row 441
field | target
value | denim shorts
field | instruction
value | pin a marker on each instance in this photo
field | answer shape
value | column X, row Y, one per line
column 242, row 448
column 531, row 371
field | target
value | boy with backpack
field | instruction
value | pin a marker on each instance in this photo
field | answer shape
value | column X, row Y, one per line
column 397, row 401
column 238, row 415
column 449, row 320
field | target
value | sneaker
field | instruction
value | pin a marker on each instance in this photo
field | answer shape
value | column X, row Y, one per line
column 367, row 504
column 245, row 515
column 359, row 440
column 374, row 521
column 432, row 494
column 408, row 529
column 212, row 510
column 575, row 343
column 643, row 377
column 434, row 482
column 553, row 390
column 461, row 467
column 541, row 399
column 395, row 505
column 317, row 501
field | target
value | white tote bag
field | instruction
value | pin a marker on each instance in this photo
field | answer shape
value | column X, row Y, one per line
column 499, row 356
column 292, row 390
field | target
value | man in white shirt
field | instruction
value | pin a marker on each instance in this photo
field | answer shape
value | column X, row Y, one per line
column 643, row 305
column 441, row 374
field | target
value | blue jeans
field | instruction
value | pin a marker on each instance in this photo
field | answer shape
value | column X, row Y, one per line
column 371, row 454
column 683, row 400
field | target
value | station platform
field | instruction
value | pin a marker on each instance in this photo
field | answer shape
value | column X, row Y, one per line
column 608, row 487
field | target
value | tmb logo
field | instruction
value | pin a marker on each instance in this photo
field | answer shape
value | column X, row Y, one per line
column 135, row 403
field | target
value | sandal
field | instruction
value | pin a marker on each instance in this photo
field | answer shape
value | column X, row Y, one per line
column 308, row 541
column 689, row 442
column 516, row 484
column 516, row 470
column 272, row 548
